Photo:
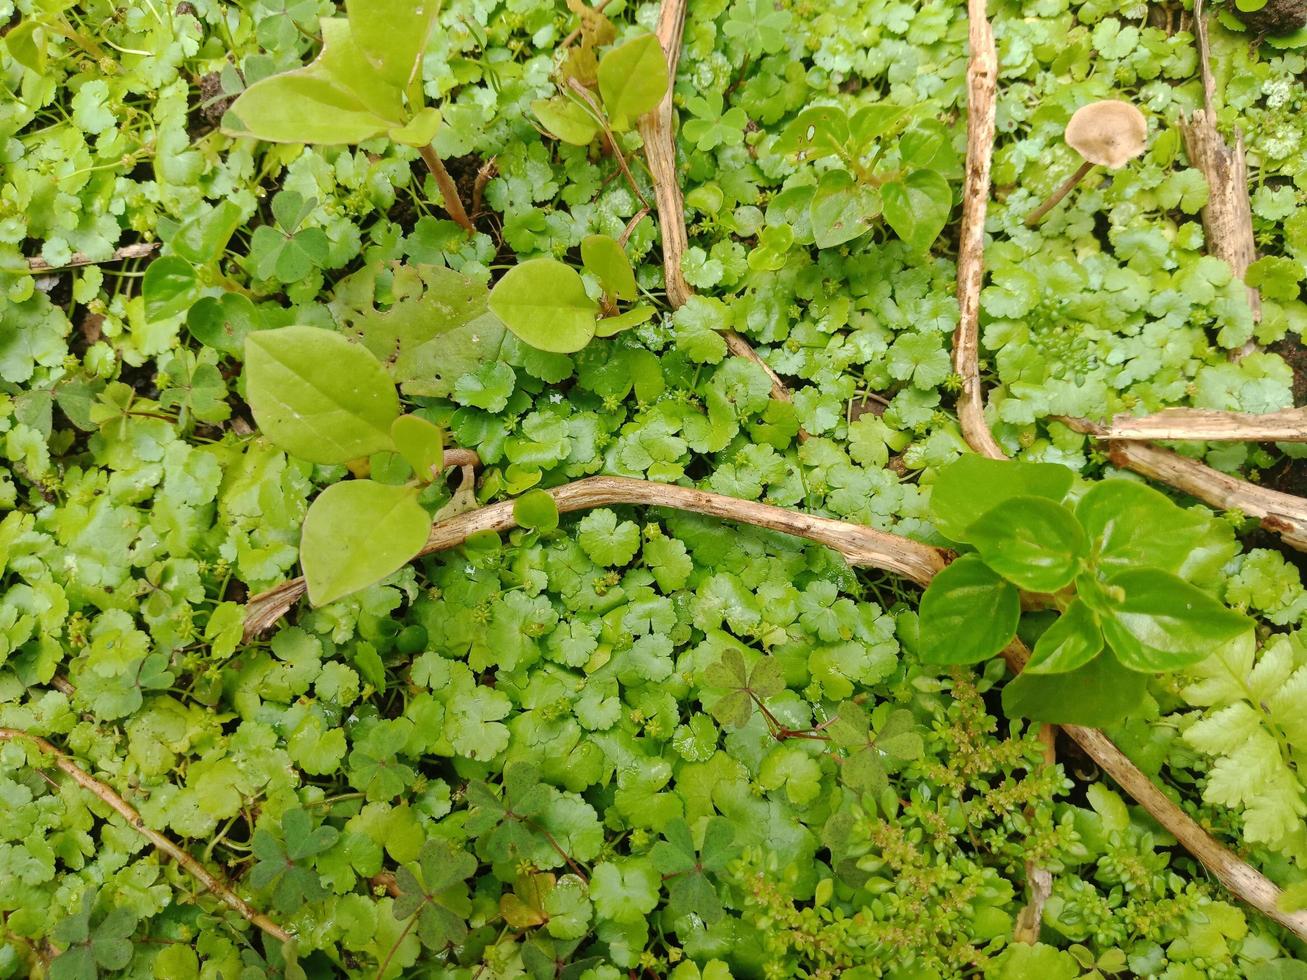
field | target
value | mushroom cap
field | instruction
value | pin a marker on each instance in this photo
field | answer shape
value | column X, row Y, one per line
column 1111, row 132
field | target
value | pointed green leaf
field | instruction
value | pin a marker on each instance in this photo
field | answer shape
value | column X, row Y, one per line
column 393, row 34
column 632, row 80
column 358, row 532
column 420, row 130
column 610, row 326
column 968, row 614
column 421, row 443
column 570, row 121
column 1071, row 642
column 1156, row 621
column 338, row 98
column 1132, row 525
column 604, row 258
column 1096, row 694
column 970, row 485
column 317, row 396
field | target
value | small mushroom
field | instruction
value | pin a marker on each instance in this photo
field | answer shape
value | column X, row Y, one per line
column 1110, row 133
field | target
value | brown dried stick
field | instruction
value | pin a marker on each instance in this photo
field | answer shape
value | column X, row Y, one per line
column 982, row 92
column 137, row 251
column 124, row 809
column 1227, row 215
column 660, row 154
column 859, row 545
column 1200, row 425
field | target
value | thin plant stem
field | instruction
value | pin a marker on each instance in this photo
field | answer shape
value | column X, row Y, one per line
column 448, row 189
column 1052, row 201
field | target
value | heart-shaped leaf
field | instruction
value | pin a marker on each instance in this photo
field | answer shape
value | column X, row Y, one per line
column 544, row 302
column 917, row 207
column 842, row 209
column 169, row 287
column 358, row 532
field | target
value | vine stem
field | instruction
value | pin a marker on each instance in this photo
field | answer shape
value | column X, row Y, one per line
column 859, row 545
column 1054, row 199
column 448, row 189
column 134, row 820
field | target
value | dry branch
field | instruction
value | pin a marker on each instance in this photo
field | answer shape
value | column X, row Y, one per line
column 859, row 545
column 1200, row 425
column 137, row 251
column 660, row 153
column 134, row 820
column 1227, row 215
column 1282, row 513
column 982, row 91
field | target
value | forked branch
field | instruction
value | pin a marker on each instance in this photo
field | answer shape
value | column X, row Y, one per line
column 134, row 820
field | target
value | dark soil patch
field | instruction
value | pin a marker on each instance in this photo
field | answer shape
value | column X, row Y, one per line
column 1295, row 355
column 1277, row 17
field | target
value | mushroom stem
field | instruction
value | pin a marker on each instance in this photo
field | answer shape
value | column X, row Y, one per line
column 1052, row 200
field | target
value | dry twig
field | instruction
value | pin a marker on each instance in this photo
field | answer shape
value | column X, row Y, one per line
column 125, row 810
column 859, row 545
column 1227, row 215
column 660, row 154
column 982, row 92
column 1199, row 425
column 138, row 251
column 1282, row 513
